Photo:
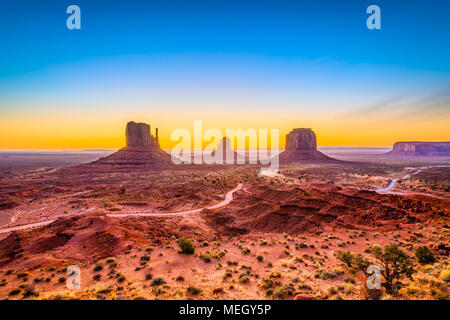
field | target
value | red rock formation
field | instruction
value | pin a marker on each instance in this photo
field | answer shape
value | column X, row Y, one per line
column 142, row 151
column 301, row 146
column 225, row 146
column 138, row 135
column 414, row 148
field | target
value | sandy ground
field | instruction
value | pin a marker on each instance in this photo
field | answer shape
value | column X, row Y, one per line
column 275, row 237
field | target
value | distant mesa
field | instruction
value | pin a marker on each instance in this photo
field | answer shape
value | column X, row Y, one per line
column 229, row 156
column 416, row 148
column 142, row 150
column 301, row 146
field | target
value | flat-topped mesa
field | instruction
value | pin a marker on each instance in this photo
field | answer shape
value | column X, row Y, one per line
column 301, row 146
column 138, row 135
column 301, row 139
column 417, row 148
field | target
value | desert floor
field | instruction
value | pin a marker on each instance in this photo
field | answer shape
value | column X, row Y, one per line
column 276, row 239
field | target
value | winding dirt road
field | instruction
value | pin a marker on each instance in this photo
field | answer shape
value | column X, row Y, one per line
column 226, row 201
column 394, row 182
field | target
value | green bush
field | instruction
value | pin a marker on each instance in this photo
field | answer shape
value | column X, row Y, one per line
column 424, row 255
column 186, row 246
column 353, row 261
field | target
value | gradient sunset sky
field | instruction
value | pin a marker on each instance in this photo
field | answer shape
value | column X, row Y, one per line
column 232, row 64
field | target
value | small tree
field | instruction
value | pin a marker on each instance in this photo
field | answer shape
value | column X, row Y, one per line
column 186, row 246
column 424, row 255
column 395, row 264
column 355, row 262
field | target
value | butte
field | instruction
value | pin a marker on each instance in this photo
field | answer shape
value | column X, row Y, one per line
column 142, row 151
column 301, row 146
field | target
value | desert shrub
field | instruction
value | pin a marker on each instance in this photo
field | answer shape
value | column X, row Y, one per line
column 332, row 290
column 227, row 275
column 370, row 294
column 15, row 292
column 105, row 290
column 62, row 280
column 180, row 278
column 186, row 246
column 445, row 275
column 349, row 280
column 98, row 267
column 328, row 274
column 193, row 290
column 97, row 277
column 30, row 291
column 424, row 255
column 158, row 281
column 349, row 288
column 145, row 258
column 275, row 275
column 259, row 258
column 411, row 289
column 354, row 262
column 245, row 250
column 283, row 292
column 159, row 290
column 266, row 284
column 205, row 257
column 441, row 295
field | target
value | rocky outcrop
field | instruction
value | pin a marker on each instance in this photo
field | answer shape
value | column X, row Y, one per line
column 301, row 139
column 301, row 145
column 415, row 148
column 142, row 151
column 138, row 135
column 229, row 156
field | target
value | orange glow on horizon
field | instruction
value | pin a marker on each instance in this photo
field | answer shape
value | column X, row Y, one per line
column 52, row 133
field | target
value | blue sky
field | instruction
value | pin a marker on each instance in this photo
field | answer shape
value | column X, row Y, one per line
column 295, row 56
column 414, row 33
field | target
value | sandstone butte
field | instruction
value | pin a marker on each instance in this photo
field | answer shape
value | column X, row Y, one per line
column 417, row 148
column 301, row 146
column 142, row 150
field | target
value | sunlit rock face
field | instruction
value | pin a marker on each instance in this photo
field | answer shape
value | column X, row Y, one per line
column 416, row 148
column 301, row 146
column 142, row 151
column 138, row 135
column 301, row 139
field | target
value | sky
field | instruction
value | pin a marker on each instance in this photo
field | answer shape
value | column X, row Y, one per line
column 231, row 64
